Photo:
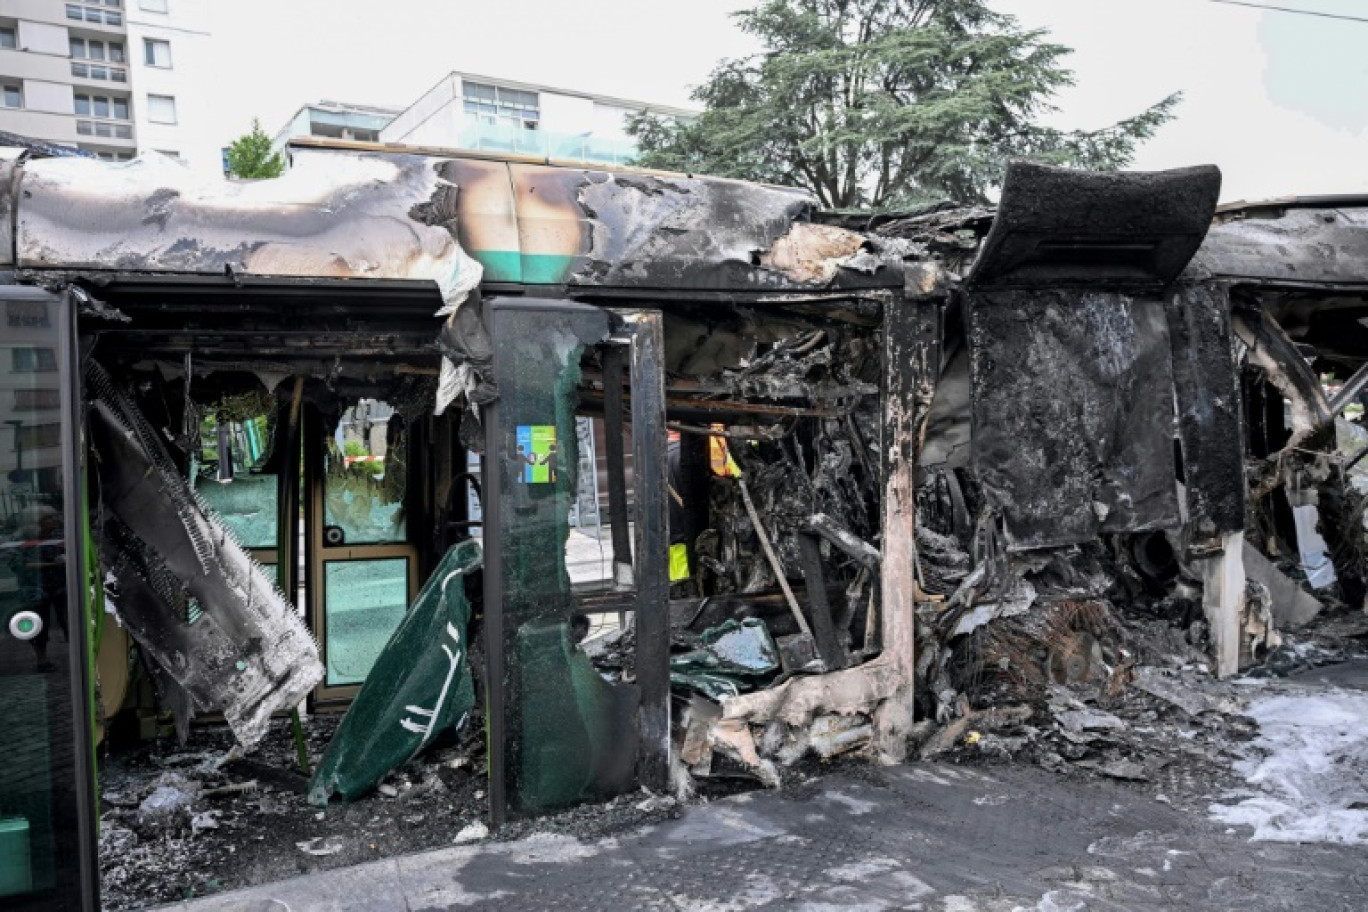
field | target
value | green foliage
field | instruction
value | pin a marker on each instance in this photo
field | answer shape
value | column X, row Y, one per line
column 250, row 155
column 885, row 104
column 354, row 449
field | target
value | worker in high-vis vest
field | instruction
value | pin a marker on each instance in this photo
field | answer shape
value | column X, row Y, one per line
column 679, row 532
column 721, row 464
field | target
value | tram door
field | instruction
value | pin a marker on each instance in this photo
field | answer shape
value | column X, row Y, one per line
column 47, row 858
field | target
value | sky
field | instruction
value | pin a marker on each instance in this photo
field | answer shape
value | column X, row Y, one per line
column 1278, row 101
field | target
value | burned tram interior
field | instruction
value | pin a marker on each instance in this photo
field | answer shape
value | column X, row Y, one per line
column 301, row 417
column 626, row 481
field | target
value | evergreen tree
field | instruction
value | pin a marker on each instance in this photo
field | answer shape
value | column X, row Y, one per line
column 250, row 155
column 885, row 104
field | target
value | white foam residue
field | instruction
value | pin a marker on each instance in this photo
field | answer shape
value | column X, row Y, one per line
column 1308, row 770
column 856, row 806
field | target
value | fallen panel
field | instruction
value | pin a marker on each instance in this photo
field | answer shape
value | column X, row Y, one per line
column 419, row 687
column 1292, row 606
column 209, row 616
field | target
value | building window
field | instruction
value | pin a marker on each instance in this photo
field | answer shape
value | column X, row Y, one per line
column 101, row 128
column 37, row 400
column 157, row 53
column 37, row 436
column 152, row 6
column 27, row 315
column 101, row 106
column 161, row 109
column 170, row 153
column 90, row 12
column 94, row 49
column 110, row 156
column 27, row 359
column 497, row 105
column 98, row 71
column 8, row 38
column 13, row 95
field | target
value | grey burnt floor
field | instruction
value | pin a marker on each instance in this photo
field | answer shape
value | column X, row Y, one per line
column 928, row 836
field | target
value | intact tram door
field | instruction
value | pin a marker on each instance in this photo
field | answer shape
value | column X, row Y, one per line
column 47, row 858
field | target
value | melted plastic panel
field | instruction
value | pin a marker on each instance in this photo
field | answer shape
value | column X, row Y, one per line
column 1073, row 414
column 570, row 734
column 419, row 687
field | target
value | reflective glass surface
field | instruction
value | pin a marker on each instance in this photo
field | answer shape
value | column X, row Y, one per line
column 228, row 481
column 364, row 601
column 39, row 841
column 363, row 484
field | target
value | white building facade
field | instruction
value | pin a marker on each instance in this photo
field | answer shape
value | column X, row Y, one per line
column 482, row 113
column 112, row 77
column 337, row 120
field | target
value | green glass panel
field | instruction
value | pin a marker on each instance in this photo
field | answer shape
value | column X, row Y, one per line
column 572, row 734
column 26, row 796
column 16, row 858
column 246, row 505
column 41, row 731
column 243, row 500
column 364, row 601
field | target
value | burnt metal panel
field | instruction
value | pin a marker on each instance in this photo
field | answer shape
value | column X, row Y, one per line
column 333, row 215
column 630, row 230
column 650, row 482
column 1293, row 245
column 1057, row 225
column 1207, row 394
column 1072, row 413
column 558, row 733
column 200, row 608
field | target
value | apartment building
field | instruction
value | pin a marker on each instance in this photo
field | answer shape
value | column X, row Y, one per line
column 338, row 120
column 482, row 113
column 113, row 77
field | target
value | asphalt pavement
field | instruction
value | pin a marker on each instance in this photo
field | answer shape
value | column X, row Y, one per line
column 929, row 836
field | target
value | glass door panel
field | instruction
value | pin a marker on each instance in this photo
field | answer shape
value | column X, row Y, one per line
column 46, row 801
column 364, row 601
column 363, row 571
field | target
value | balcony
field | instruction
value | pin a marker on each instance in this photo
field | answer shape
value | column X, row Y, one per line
column 97, row 71
column 95, row 16
column 585, row 148
column 111, row 132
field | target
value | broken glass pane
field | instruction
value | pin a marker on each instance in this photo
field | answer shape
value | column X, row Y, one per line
column 226, row 478
column 365, row 476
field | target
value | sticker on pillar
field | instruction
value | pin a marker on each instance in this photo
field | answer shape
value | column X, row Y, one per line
column 536, row 453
